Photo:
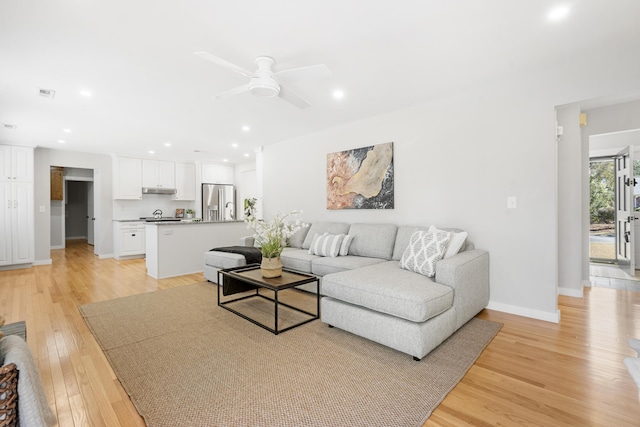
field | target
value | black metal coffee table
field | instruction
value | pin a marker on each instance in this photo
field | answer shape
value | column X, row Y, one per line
column 250, row 274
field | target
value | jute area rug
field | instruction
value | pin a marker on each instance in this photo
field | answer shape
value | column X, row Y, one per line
column 186, row 362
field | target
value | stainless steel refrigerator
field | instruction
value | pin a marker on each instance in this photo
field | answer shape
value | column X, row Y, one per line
column 218, row 202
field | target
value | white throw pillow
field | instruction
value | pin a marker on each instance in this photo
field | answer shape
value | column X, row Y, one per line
column 326, row 245
column 424, row 251
column 344, row 247
column 456, row 242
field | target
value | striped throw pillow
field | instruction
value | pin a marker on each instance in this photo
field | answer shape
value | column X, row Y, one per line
column 326, row 244
column 344, row 247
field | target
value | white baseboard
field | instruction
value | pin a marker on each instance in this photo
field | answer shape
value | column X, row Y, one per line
column 105, row 256
column 526, row 312
column 57, row 247
column 577, row 293
column 43, row 262
column 75, row 238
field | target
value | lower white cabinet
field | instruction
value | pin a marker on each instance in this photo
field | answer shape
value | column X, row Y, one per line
column 129, row 239
column 16, row 223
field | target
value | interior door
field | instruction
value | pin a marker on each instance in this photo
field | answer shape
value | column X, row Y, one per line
column 625, row 213
column 91, row 219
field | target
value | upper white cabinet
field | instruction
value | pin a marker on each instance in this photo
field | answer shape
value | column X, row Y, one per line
column 158, row 174
column 217, row 174
column 127, row 178
column 16, row 163
column 185, row 181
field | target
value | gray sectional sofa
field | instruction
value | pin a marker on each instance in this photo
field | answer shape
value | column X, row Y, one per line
column 368, row 294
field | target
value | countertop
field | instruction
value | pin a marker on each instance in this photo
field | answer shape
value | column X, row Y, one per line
column 182, row 222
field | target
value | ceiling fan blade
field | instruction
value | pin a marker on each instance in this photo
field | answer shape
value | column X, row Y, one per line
column 232, row 92
column 311, row 72
column 224, row 63
column 290, row 96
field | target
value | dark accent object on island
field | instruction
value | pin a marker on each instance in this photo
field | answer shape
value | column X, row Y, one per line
column 252, row 255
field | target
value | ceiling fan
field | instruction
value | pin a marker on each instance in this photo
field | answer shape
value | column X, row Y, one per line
column 264, row 82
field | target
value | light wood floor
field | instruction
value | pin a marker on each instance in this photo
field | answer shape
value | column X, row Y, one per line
column 532, row 373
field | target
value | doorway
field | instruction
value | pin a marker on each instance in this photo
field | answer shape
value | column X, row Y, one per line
column 602, row 227
column 73, row 217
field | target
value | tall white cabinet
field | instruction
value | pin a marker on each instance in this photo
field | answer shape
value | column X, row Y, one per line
column 16, row 196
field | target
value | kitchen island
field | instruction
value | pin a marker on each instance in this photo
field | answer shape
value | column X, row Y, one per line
column 177, row 248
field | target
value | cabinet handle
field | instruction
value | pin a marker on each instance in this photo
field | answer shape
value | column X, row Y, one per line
column 133, row 235
column 15, row 204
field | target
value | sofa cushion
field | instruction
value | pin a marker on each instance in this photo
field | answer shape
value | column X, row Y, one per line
column 387, row 288
column 323, row 265
column 424, row 251
column 373, row 240
column 324, row 227
column 297, row 238
column 326, row 244
column 222, row 260
column 297, row 259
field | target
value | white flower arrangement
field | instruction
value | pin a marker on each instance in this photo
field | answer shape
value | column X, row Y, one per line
column 271, row 237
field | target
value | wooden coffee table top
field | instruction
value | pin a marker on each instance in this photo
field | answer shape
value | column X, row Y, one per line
column 252, row 274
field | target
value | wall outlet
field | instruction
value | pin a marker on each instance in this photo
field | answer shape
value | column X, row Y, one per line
column 42, row 209
column 512, row 202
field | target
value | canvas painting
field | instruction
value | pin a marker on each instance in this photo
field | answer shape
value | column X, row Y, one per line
column 361, row 178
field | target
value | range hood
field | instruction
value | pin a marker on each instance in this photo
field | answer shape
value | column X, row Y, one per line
column 155, row 190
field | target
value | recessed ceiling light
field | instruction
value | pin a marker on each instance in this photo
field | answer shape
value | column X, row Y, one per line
column 246, row 128
column 85, row 93
column 558, row 13
column 61, row 141
column 338, row 94
column 246, row 154
column 167, row 144
column 225, row 160
column 234, row 145
column 66, row 130
column 151, row 152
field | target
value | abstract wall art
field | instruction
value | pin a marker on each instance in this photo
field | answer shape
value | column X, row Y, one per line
column 361, row 178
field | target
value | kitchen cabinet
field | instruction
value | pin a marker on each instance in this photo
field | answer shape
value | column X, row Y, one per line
column 129, row 239
column 185, row 181
column 127, row 178
column 16, row 163
column 16, row 212
column 57, row 180
column 158, row 174
column 217, row 174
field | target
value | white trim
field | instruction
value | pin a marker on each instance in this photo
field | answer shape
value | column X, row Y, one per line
column 569, row 292
column 43, row 262
column 57, row 247
column 105, row 256
column 526, row 312
column 75, row 238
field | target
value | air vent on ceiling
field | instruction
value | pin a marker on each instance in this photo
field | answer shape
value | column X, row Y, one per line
column 8, row 126
column 46, row 93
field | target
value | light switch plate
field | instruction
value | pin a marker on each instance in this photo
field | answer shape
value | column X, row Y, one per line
column 42, row 209
column 512, row 202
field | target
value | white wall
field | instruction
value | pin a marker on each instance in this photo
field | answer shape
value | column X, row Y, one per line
column 569, row 224
column 456, row 162
column 246, row 185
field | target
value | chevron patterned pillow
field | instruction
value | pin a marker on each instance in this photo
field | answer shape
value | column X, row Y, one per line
column 424, row 251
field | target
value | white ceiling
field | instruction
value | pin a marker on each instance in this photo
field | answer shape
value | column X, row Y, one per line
column 137, row 58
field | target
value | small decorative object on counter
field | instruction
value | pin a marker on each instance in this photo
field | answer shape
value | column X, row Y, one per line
column 180, row 213
column 190, row 213
column 271, row 237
